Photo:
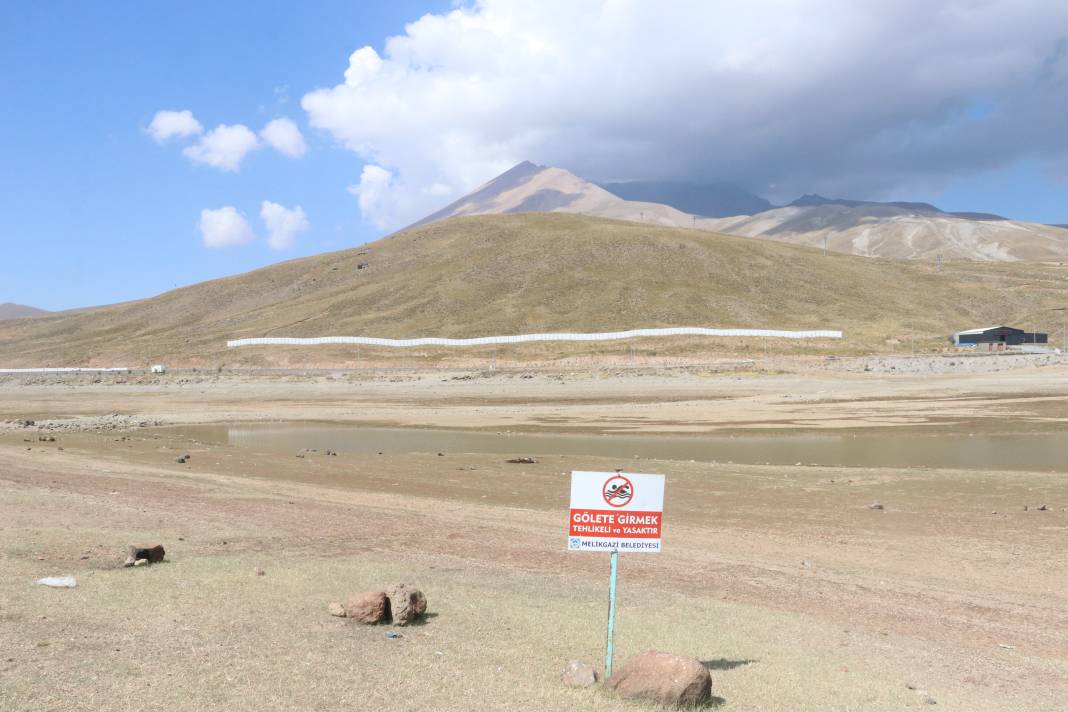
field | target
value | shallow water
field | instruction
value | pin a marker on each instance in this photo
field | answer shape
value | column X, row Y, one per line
column 1035, row 452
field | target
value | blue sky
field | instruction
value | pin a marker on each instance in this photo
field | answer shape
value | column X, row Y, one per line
column 93, row 210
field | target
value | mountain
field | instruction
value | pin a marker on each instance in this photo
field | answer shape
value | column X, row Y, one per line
column 898, row 230
column 810, row 201
column 713, row 200
column 529, row 188
column 532, row 272
column 814, row 201
column 18, row 311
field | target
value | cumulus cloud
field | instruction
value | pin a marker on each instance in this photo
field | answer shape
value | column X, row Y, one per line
column 224, row 227
column 283, row 224
column 223, row 147
column 168, row 124
column 284, row 136
column 864, row 99
column 380, row 201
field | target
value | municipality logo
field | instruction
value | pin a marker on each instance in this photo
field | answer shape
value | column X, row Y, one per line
column 574, row 543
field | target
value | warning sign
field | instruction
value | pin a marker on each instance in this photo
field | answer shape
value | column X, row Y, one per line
column 615, row 511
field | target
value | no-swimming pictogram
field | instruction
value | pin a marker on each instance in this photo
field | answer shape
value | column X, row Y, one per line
column 618, row 491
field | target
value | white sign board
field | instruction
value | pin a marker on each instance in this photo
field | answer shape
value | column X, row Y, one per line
column 617, row 511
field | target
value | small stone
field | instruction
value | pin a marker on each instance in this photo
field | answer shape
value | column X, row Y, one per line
column 140, row 562
column 876, row 505
column 336, row 609
column 150, row 554
column 579, row 674
column 928, row 700
column 368, row 608
column 260, row 572
column 406, row 603
column 1043, row 508
column 181, row 459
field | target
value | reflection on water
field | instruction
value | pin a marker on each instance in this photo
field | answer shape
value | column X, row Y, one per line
column 1044, row 451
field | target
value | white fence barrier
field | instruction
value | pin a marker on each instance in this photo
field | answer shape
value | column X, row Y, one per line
column 64, row 370
column 520, row 338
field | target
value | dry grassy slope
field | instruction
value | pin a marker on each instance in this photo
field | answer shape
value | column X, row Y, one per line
column 18, row 311
column 501, row 274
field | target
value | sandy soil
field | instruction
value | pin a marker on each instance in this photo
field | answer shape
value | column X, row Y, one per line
column 796, row 594
column 638, row 400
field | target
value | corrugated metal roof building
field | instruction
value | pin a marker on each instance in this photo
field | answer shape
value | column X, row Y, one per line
column 1007, row 335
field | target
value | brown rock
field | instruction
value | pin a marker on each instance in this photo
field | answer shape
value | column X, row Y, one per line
column 579, row 674
column 369, row 608
column 336, row 609
column 151, row 554
column 662, row 677
column 406, row 603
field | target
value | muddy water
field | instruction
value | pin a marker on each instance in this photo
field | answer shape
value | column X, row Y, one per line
column 1035, row 452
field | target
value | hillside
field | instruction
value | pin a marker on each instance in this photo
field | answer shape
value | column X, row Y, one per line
column 901, row 230
column 539, row 272
column 18, row 311
column 897, row 230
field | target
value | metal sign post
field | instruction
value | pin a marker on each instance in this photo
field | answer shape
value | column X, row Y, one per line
column 609, row 648
column 614, row 512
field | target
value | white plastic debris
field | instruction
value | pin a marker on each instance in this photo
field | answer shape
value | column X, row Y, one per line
column 58, row 581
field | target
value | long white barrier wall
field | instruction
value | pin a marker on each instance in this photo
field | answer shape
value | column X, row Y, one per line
column 64, row 370
column 520, row 338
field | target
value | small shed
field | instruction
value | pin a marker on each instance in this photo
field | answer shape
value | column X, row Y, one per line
column 159, row 368
column 1007, row 335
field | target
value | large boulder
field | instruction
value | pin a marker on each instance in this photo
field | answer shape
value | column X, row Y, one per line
column 406, row 603
column 579, row 674
column 369, row 608
column 662, row 677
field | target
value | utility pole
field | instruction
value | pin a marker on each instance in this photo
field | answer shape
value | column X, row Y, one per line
column 825, row 245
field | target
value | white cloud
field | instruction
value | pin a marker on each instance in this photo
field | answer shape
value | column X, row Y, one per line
column 283, row 224
column 284, row 136
column 862, row 99
column 167, row 124
column 224, row 227
column 223, row 147
column 380, row 202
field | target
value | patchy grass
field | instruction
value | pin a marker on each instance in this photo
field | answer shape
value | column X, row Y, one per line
column 204, row 632
column 523, row 273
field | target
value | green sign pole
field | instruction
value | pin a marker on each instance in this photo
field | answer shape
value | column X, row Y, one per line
column 611, row 615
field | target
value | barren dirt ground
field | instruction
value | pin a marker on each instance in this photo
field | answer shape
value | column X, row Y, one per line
column 796, row 594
